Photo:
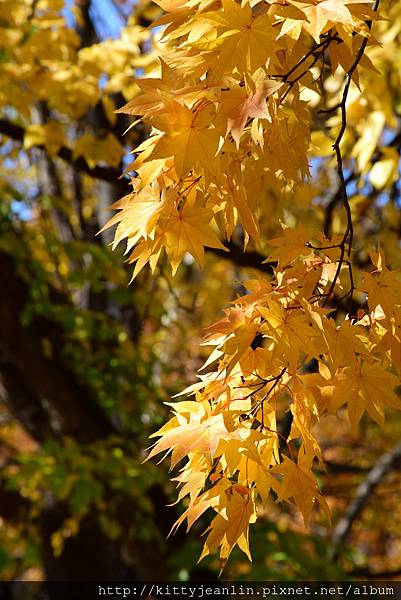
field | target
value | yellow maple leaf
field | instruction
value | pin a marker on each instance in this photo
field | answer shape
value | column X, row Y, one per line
column 188, row 230
column 231, row 527
column 299, row 483
column 323, row 13
column 190, row 136
column 368, row 388
column 183, row 437
column 291, row 330
column 291, row 245
column 343, row 343
column 238, row 343
column 244, row 103
column 383, row 288
column 392, row 339
column 196, row 508
column 137, row 216
column 247, row 42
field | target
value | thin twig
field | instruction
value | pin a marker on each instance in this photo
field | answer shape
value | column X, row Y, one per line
column 324, row 42
column 173, row 292
column 323, row 47
column 346, row 242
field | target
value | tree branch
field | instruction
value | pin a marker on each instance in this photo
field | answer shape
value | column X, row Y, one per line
column 331, row 206
column 368, row 574
column 235, row 254
column 347, row 239
column 335, row 467
column 17, row 133
column 42, row 392
column 385, row 463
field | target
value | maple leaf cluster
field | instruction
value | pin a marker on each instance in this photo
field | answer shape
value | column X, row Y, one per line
column 230, row 433
column 229, row 126
column 231, row 134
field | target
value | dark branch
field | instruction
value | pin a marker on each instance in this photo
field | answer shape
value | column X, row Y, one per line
column 41, row 391
column 311, row 52
column 346, row 242
column 17, row 133
column 236, row 255
column 375, row 575
column 385, row 463
column 331, row 206
column 335, row 467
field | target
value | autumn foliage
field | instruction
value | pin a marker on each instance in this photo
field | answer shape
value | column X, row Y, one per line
column 200, row 236
column 246, row 91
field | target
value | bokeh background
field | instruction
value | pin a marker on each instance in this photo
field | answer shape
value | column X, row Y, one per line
column 88, row 360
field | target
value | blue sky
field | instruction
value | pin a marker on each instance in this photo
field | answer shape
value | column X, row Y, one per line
column 107, row 20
